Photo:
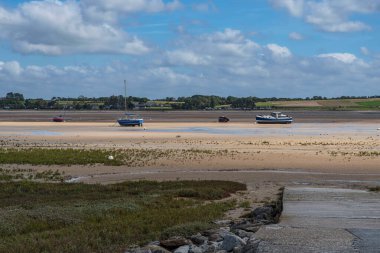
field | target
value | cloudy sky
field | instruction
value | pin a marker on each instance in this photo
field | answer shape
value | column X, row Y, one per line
column 264, row 48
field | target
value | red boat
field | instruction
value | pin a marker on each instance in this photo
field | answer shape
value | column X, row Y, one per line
column 59, row 118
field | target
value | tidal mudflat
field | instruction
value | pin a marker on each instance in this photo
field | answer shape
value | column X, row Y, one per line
column 262, row 158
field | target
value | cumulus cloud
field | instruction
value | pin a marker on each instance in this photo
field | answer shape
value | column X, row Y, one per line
column 56, row 27
column 12, row 68
column 202, row 65
column 343, row 57
column 330, row 15
column 279, row 51
column 100, row 10
column 296, row 36
column 184, row 57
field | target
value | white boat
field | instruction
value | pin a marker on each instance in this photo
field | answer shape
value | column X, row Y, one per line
column 274, row 118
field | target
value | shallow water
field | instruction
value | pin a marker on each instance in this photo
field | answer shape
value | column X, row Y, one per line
column 294, row 129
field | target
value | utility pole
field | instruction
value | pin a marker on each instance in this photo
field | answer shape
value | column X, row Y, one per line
column 125, row 95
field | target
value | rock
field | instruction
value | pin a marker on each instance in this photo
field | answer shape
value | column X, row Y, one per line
column 196, row 249
column 223, row 222
column 237, row 250
column 211, row 247
column 215, row 235
column 156, row 249
column 182, row 249
column 251, row 246
column 230, row 241
column 198, row 239
column 242, row 233
column 215, row 238
column 157, row 243
column 263, row 213
column 138, row 250
column 174, row 242
column 221, row 251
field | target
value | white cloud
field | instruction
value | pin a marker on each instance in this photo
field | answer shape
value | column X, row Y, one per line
column 343, row 57
column 330, row 15
column 279, row 51
column 203, row 65
column 296, row 36
column 107, row 10
column 56, row 27
column 206, row 6
column 184, row 57
column 364, row 51
column 12, row 68
column 295, row 7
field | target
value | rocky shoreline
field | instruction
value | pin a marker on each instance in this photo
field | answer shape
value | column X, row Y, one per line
column 237, row 236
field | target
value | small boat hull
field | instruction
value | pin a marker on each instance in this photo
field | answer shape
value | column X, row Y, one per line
column 58, row 119
column 267, row 120
column 130, row 122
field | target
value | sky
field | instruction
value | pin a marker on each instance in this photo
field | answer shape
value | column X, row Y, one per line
column 172, row 48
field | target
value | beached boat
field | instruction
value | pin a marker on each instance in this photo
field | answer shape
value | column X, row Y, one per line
column 59, row 118
column 274, row 118
column 131, row 119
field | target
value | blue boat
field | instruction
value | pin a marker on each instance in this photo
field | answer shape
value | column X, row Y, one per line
column 131, row 119
column 274, row 118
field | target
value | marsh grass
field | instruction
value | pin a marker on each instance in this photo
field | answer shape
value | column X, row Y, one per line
column 61, row 217
column 29, row 174
column 128, row 157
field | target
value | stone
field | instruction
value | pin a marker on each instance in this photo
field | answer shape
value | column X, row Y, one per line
column 139, row 250
column 237, row 249
column 251, row 246
column 174, row 242
column 182, row 249
column 211, row 247
column 223, row 222
column 215, row 238
column 242, row 233
column 215, row 235
column 156, row 249
column 230, row 241
column 198, row 239
column 263, row 213
column 157, row 243
column 196, row 249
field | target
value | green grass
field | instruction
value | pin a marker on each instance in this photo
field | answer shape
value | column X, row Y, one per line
column 44, row 156
column 58, row 217
column 370, row 104
column 30, row 174
column 128, row 157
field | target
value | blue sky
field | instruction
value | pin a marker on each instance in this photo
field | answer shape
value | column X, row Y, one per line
column 265, row 48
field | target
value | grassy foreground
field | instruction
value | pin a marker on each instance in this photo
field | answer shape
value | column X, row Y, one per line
column 59, row 217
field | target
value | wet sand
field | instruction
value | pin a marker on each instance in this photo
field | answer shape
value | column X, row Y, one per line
column 301, row 153
column 190, row 116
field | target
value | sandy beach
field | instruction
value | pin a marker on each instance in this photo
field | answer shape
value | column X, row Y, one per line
column 301, row 153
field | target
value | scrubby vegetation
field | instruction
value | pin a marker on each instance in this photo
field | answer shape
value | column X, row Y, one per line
column 59, row 217
column 30, row 174
column 112, row 157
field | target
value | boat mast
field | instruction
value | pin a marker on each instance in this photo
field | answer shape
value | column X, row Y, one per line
column 125, row 95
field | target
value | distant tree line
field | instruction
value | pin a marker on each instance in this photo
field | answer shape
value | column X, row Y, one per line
column 117, row 102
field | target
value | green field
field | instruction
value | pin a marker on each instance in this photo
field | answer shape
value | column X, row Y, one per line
column 59, row 217
column 329, row 104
